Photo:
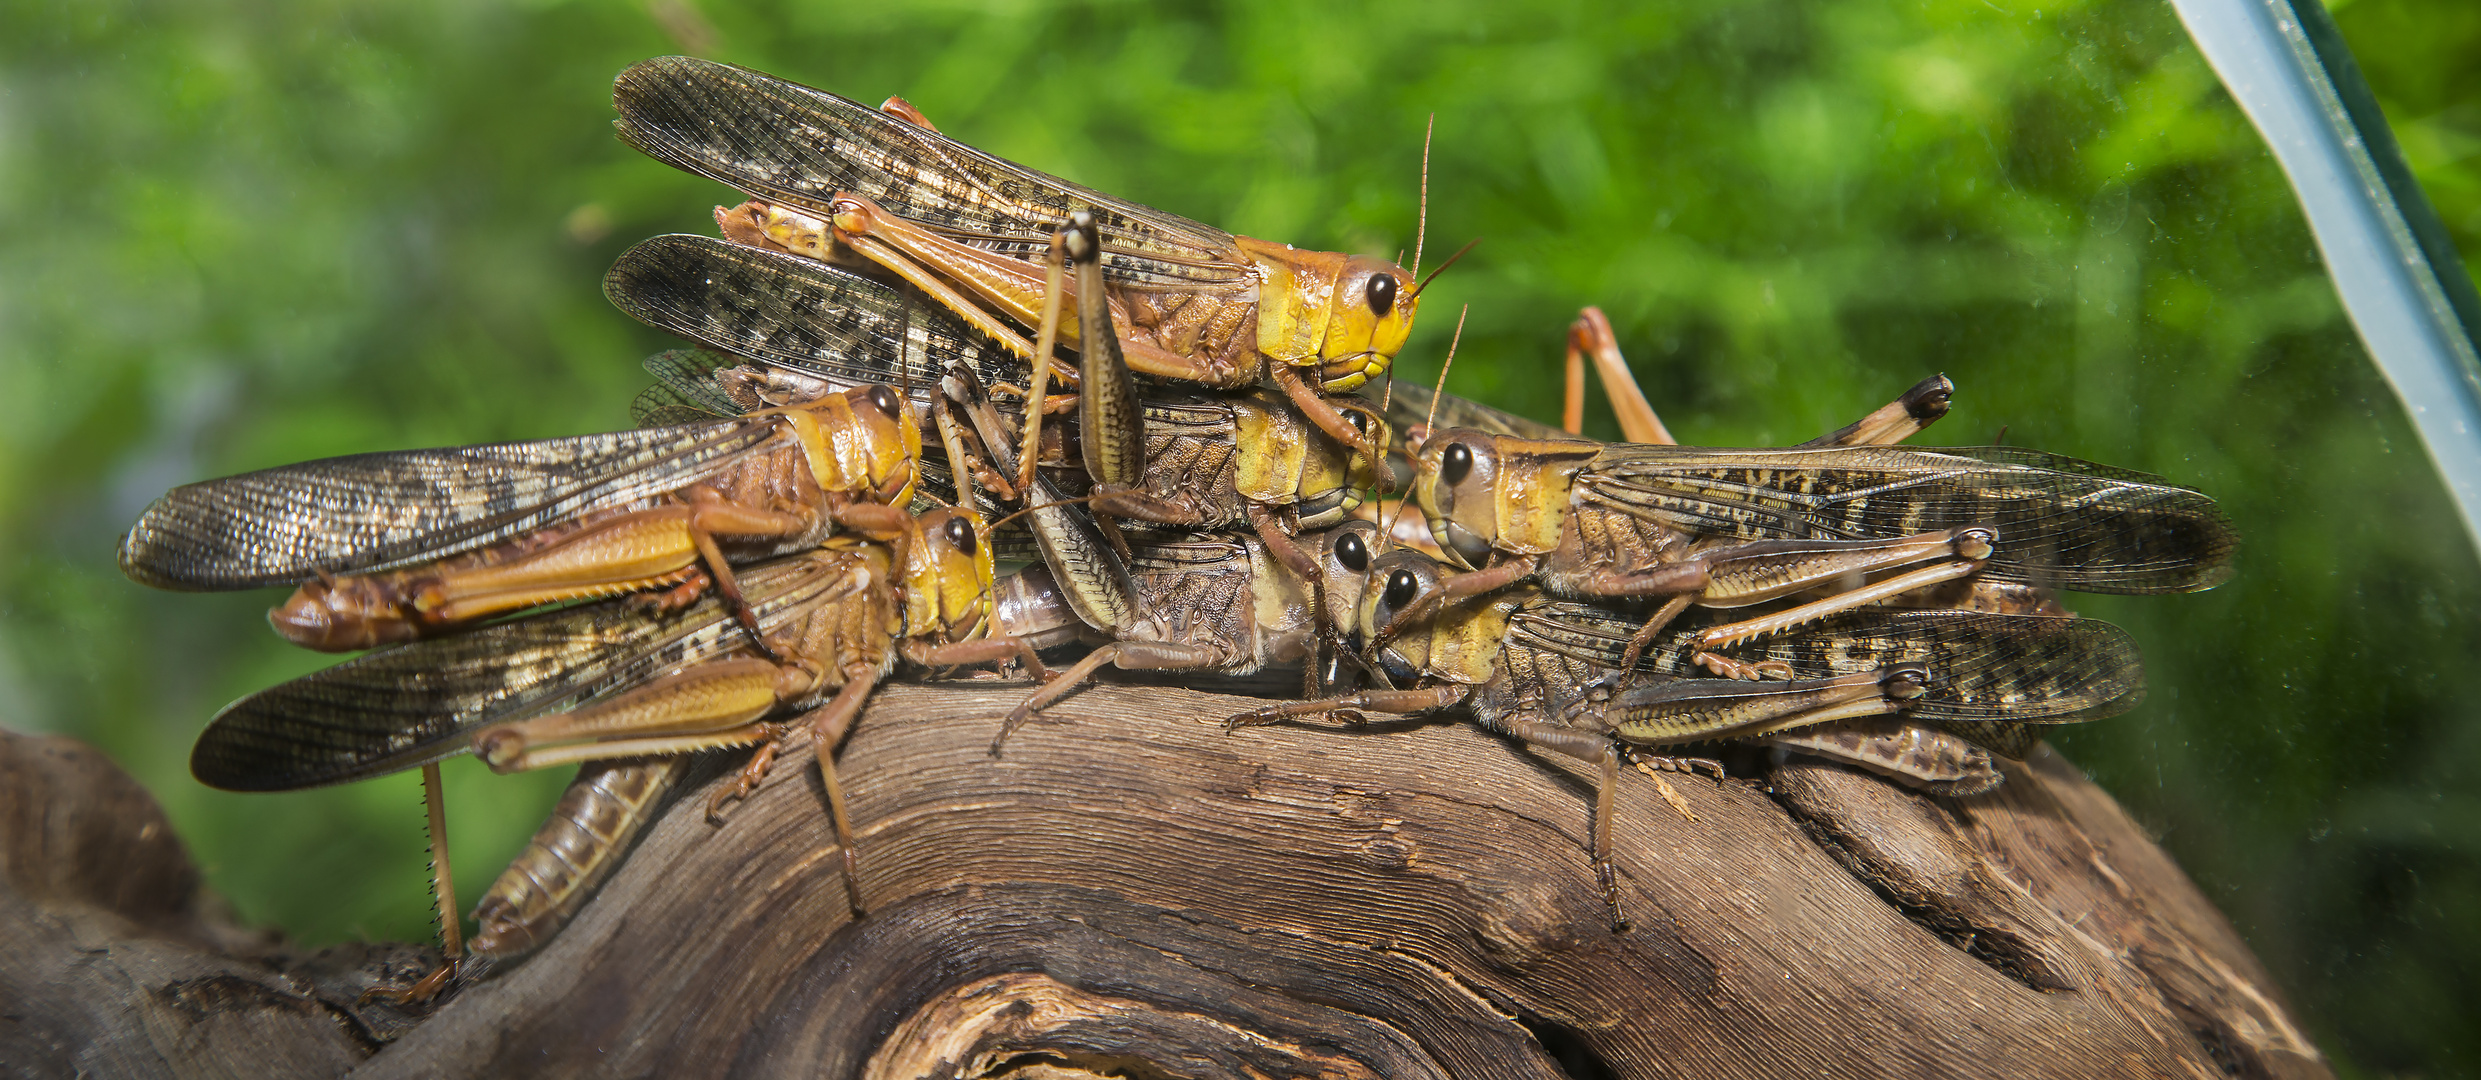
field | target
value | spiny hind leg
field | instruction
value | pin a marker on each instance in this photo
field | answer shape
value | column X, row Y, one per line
column 443, row 904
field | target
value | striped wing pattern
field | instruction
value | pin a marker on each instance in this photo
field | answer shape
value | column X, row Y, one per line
column 2061, row 522
column 283, row 525
column 1983, row 667
column 806, row 315
column 413, row 704
column 790, row 144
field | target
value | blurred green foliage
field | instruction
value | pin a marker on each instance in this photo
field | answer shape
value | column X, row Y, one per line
column 234, row 235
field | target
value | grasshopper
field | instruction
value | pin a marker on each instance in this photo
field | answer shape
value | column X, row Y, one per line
column 1547, row 672
column 430, row 539
column 613, row 680
column 1727, row 528
column 837, row 180
column 1223, row 461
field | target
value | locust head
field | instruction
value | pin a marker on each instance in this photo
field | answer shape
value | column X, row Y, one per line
column 947, row 577
column 1346, row 315
column 1402, row 591
column 1344, row 554
column 1456, row 481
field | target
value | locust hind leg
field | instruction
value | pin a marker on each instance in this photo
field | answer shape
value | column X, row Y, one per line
column 1751, row 573
column 1896, row 420
column 1590, row 335
column 1111, row 425
column 443, row 902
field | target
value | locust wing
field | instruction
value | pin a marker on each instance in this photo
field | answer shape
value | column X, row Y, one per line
column 1409, row 406
column 685, row 390
column 2061, row 522
column 790, row 144
column 416, row 703
column 284, row 525
column 1984, row 668
column 846, row 328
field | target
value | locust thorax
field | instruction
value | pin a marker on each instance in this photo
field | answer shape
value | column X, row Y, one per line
column 1346, row 315
column 1284, row 459
column 867, row 443
column 948, row 586
column 777, row 228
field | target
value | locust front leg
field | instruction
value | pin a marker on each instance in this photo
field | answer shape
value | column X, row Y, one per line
column 1322, row 412
column 1129, row 655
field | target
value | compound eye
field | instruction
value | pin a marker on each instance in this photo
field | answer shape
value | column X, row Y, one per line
column 1352, row 553
column 1382, row 294
column 1455, row 463
column 959, row 534
column 884, row 400
column 1400, row 588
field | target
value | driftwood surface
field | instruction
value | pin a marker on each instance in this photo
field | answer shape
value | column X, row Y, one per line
column 1130, row 891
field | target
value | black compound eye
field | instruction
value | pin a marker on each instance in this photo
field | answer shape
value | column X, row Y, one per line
column 1382, row 294
column 959, row 533
column 1400, row 588
column 884, row 400
column 1455, row 463
column 1350, row 551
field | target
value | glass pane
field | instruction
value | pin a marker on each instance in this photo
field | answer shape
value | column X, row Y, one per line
column 242, row 235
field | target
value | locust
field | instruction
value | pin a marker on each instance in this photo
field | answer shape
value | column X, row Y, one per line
column 1548, row 672
column 1244, row 460
column 836, row 180
column 1727, row 527
column 615, row 680
column 393, row 546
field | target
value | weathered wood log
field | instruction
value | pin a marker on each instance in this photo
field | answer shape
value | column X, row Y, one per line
column 1130, row 891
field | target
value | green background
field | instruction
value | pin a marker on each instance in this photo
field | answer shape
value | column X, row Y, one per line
column 235, row 235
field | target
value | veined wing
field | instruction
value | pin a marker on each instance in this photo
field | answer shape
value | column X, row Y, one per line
column 788, row 143
column 685, row 391
column 806, row 315
column 2061, row 522
column 1983, row 667
column 416, row 703
column 1408, row 406
column 283, row 525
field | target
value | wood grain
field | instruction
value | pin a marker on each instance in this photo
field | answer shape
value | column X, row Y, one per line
column 1130, row 891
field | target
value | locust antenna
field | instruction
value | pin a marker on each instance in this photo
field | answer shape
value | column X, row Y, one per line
column 1432, row 417
column 994, row 526
column 1451, row 261
column 1421, row 219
